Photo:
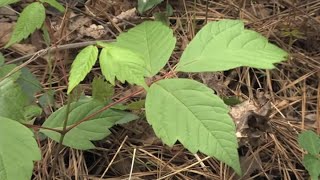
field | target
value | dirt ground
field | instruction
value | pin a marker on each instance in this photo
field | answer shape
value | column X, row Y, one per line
column 292, row 88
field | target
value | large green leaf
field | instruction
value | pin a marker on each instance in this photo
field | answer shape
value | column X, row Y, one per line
column 96, row 128
column 153, row 40
column 144, row 5
column 310, row 141
column 188, row 111
column 18, row 150
column 31, row 18
column 123, row 64
column 82, row 65
column 224, row 45
column 312, row 164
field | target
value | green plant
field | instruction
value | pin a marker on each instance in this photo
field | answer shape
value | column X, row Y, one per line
column 202, row 122
column 30, row 19
column 310, row 142
column 178, row 109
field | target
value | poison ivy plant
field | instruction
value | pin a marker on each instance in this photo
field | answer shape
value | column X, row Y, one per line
column 310, row 141
column 224, row 45
column 180, row 109
column 96, row 128
column 18, row 150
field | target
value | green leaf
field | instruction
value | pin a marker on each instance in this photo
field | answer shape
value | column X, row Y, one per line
column 54, row 4
column 102, row 90
column 123, row 64
column 1, row 59
column 312, row 164
column 30, row 85
column 7, row 2
column 144, row 5
column 82, row 65
column 96, row 128
column 137, row 105
column 18, row 150
column 12, row 100
column 6, row 69
column 309, row 141
column 224, row 45
column 31, row 18
column 153, row 40
column 47, row 99
column 32, row 111
column 188, row 111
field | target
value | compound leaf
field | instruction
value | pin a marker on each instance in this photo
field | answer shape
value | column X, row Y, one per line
column 144, row 5
column 309, row 141
column 54, row 4
column 30, row 19
column 153, row 40
column 96, row 128
column 224, row 45
column 312, row 164
column 123, row 64
column 18, row 150
column 201, row 124
column 82, row 65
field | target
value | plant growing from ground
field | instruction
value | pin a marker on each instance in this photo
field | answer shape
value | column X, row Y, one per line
column 178, row 109
column 310, row 142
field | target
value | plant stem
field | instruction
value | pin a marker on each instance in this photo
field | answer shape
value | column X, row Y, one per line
column 60, row 146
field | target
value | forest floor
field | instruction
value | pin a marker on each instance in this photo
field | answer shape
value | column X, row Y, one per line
column 293, row 87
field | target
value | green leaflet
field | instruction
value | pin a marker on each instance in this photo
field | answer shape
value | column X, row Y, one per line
column 153, row 40
column 7, row 2
column 30, row 19
column 30, row 85
column 18, row 150
column 144, row 5
column 188, row 111
column 312, row 164
column 224, row 45
column 123, row 64
column 82, row 65
column 96, row 128
column 309, row 141
column 54, row 4
column 102, row 90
